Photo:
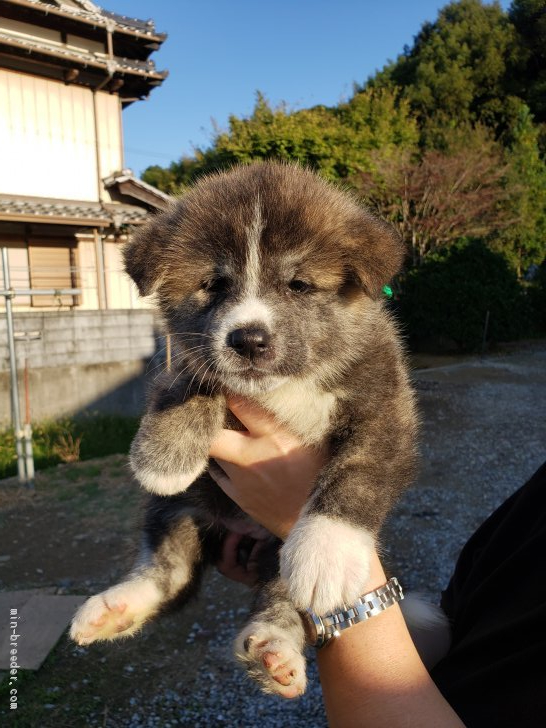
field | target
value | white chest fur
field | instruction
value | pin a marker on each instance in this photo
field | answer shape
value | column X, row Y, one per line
column 304, row 407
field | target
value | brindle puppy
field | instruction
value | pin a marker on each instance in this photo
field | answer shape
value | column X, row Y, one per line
column 270, row 281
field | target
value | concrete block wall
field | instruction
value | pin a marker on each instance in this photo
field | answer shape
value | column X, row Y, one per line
column 80, row 337
column 83, row 361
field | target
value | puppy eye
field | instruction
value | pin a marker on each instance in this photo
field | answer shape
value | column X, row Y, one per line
column 297, row 286
column 216, row 285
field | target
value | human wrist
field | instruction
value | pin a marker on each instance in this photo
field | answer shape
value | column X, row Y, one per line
column 323, row 629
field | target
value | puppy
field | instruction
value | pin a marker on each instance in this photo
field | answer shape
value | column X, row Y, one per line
column 270, row 281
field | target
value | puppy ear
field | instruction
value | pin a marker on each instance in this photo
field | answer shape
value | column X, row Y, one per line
column 143, row 255
column 378, row 253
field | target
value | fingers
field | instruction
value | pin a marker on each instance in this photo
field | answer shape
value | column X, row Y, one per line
column 228, row 564
column 263, row 438
column 252, row 565
column 228, row 559
column 257, row 421
column 230, row 445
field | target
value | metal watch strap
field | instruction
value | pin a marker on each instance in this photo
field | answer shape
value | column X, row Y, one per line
column 366, row 606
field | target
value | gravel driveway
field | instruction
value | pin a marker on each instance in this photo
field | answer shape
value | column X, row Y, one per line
column 483, row 434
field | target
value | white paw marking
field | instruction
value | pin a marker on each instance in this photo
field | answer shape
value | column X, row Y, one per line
column 326, row 563
column 162, row 484
column 117, row 612
column 272, row 660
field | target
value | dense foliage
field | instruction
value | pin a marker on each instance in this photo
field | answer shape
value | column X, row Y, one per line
column 456, row 292
column 337, row 141
column 448, row 141
column 456, row 68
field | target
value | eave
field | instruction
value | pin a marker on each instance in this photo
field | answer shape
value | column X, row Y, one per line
column 138, row 77
column 52, row 16
column 128, row 185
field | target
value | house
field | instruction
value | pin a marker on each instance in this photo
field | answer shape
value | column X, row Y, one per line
column 67, row 204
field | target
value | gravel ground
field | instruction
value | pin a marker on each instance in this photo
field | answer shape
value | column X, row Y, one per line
column 483, row 435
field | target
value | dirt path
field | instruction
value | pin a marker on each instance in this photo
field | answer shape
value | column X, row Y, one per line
column 484, row 433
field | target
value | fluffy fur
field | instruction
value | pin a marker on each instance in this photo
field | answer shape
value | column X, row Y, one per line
column 269, row 280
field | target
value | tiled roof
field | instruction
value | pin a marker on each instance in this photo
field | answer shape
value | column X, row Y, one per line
column 127, row 176
column 88, row 11
column 83, row 213
column 128, row 214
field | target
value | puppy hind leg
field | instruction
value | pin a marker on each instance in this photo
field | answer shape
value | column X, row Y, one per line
column 271, row 645
column 164, row 572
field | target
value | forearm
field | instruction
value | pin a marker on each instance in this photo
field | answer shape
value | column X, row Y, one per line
column 373, row 676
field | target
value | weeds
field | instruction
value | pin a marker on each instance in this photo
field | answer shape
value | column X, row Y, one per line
column 68, row 448
column 71, row 439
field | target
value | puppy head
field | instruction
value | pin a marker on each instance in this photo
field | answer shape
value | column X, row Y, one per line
column 265, row 272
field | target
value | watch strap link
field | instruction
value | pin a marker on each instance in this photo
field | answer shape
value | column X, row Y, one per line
column 367, row 606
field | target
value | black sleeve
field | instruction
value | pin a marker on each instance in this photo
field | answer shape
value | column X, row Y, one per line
column 495, row 672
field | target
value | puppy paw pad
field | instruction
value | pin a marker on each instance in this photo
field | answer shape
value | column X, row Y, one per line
column 117, row 612
column 275, row 664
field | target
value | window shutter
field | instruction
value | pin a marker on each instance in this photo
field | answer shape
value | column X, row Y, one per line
column 52, row 266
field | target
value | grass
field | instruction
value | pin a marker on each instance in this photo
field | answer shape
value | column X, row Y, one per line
column 71, row 439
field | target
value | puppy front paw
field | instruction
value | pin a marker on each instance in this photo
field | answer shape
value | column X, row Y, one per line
column 118, row 612
column 325, row 563
column 167, row 483
column 171, row 448
column 272, row 659
column 160, row 465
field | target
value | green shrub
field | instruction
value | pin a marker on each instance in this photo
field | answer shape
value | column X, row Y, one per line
column 447, row 298
column 69, row 439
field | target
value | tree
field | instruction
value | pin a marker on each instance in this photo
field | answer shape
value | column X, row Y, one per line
column 438, row 198
column 455, row 71
column 441, row 141
column 164, row 178
column 335, row 141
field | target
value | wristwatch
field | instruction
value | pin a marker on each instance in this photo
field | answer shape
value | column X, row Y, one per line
column 368, row 605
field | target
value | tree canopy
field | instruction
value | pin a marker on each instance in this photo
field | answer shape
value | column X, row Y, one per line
column 470, row 90
column 455, row 71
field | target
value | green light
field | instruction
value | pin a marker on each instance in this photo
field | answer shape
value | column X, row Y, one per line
column 387, row 291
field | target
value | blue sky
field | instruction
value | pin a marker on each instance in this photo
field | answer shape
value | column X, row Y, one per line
column 220, row 52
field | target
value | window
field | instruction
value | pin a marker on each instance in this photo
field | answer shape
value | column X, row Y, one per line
column 52, row 265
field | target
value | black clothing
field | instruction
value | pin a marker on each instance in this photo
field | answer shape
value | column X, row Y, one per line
column 494, row 675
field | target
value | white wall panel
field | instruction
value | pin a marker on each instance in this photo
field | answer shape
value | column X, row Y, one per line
column 29, row 30
column 109, row 131
column 47, row 138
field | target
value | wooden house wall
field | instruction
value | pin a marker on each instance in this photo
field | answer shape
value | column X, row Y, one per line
column 48, row 138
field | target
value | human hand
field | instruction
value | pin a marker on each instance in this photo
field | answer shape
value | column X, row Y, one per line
column 266, row 470
column 230, row 565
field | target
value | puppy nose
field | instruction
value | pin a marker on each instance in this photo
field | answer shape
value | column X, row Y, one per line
column 253, row 343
